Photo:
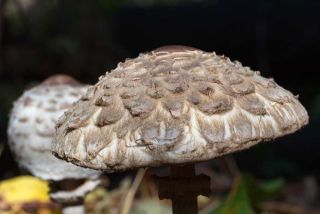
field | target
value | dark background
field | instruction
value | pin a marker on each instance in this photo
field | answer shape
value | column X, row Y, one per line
column 87, row 38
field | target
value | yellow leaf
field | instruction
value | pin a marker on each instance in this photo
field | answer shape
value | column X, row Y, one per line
column 24, row 189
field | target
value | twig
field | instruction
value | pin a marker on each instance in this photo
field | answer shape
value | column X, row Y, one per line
column 132, row 191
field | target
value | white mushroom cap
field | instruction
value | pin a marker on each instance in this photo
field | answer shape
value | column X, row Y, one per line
column 32, row 126
column 174, row 105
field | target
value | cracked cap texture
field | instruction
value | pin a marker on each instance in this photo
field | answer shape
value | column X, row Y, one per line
column 174, row 105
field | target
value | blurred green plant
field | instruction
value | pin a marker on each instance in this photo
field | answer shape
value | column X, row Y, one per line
column 102, row 200
column 237, row 202
column 246, row 194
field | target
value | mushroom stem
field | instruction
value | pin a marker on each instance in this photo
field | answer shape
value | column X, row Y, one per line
column 182, row 187
column 185, row 203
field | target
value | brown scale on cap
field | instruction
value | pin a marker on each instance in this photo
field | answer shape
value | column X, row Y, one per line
column 178, row 102
column 60, row 79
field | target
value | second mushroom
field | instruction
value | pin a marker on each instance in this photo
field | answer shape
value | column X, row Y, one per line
column 30, row 131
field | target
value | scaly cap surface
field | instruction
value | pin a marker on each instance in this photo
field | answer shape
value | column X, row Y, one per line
column 174, row 105
column 32, row 126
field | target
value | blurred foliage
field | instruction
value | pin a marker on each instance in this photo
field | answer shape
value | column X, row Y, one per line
column 150, row 206
column 102, row 201
column 26, row 195
column 244, row 197
column 237, row 202
column 259, row 192
column 246, row 194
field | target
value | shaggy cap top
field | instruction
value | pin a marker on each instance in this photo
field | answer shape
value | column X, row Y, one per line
column 174, row 105
column 32, row 126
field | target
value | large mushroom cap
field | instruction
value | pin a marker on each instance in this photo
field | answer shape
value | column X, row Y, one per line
column 174, row 105
column 32, row 126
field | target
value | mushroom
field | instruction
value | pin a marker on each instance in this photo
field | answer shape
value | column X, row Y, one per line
column 175, row 106
column 31, row 129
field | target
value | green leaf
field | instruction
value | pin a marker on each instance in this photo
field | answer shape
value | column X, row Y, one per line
column 237, row 202
column 259, row 192
column 247, row 193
